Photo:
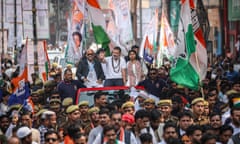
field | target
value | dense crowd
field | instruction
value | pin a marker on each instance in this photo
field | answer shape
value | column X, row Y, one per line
column 163, row 113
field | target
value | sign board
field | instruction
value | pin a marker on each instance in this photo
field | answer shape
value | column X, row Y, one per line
column 27, row 24
column 9, row 14
column 42, row 19
column 155, row 3
column 233, row 10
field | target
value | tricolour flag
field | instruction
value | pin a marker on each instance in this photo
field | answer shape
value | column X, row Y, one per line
column 148, row 51
column 167, row 45
column 236, row 102
column 98, row 24
column 21, row 90
column 190, row 66
column 46, row 63
column 148, row 45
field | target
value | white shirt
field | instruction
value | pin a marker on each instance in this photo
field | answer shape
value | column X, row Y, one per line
column 94, row 133
column 118, row 142
column 235, row 129
column 162, row 142
column 226, row 115
column 182, row 132
column 237, row 45
column 3, row 108
column 92, row 77
column 114, row 68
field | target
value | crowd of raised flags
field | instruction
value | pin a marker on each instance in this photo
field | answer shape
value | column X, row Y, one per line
column 188, row 54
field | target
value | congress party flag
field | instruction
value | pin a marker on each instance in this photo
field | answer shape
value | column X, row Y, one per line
column 98, row 24
column 167, row 45
column 149, row 41
column 190, row 65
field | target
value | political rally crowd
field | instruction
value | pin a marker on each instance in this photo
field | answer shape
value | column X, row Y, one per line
column 162, row 112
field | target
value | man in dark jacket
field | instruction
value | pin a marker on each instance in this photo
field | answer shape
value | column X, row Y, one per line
column 68, row 87
column 90, row 70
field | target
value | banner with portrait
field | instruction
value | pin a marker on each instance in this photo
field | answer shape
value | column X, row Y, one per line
column 74, row 51
column 123, row 19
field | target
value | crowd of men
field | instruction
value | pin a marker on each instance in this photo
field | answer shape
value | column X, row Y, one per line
column 163, row 113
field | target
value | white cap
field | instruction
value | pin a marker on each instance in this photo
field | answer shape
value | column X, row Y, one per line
column 23, row 132
column 143, row 94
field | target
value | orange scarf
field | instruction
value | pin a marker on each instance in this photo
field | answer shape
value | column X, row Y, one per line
column 68, row 140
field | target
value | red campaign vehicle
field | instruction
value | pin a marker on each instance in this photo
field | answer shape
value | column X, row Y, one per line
column 112, row 93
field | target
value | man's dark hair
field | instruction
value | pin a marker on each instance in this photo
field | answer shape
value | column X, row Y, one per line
column 206, row 128
column 134, row 46
column 49, row 132
column 67, row 70
column 191, row 129
column 78, row 34
column 98, row 94
column 26, row 112
column 117, row 48
column 215, row 114
column 141, row 114
column 146, row 137
column 225, row 128
column 115, row 112
column 108, row 128
column 104, row 111
column 185, row 114
column 4, row 116
column 100, row 51
column 234, row 109
column 153, row 69
column 168, row 125
column 155, row 115
column 73, row 130
column 206, row 137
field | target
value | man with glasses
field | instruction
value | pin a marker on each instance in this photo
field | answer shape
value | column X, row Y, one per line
column 153, row 84
column 51, row 137
column 90, row 70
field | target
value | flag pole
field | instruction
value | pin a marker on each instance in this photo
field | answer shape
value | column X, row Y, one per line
column 198, row 67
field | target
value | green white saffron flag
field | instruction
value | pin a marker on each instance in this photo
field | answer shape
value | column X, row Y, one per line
column 190, row 58
column 98, row 25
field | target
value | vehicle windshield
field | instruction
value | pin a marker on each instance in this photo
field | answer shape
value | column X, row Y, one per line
column 112, row 93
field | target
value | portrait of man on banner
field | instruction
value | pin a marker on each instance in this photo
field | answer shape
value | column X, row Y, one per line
column 75, row 49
